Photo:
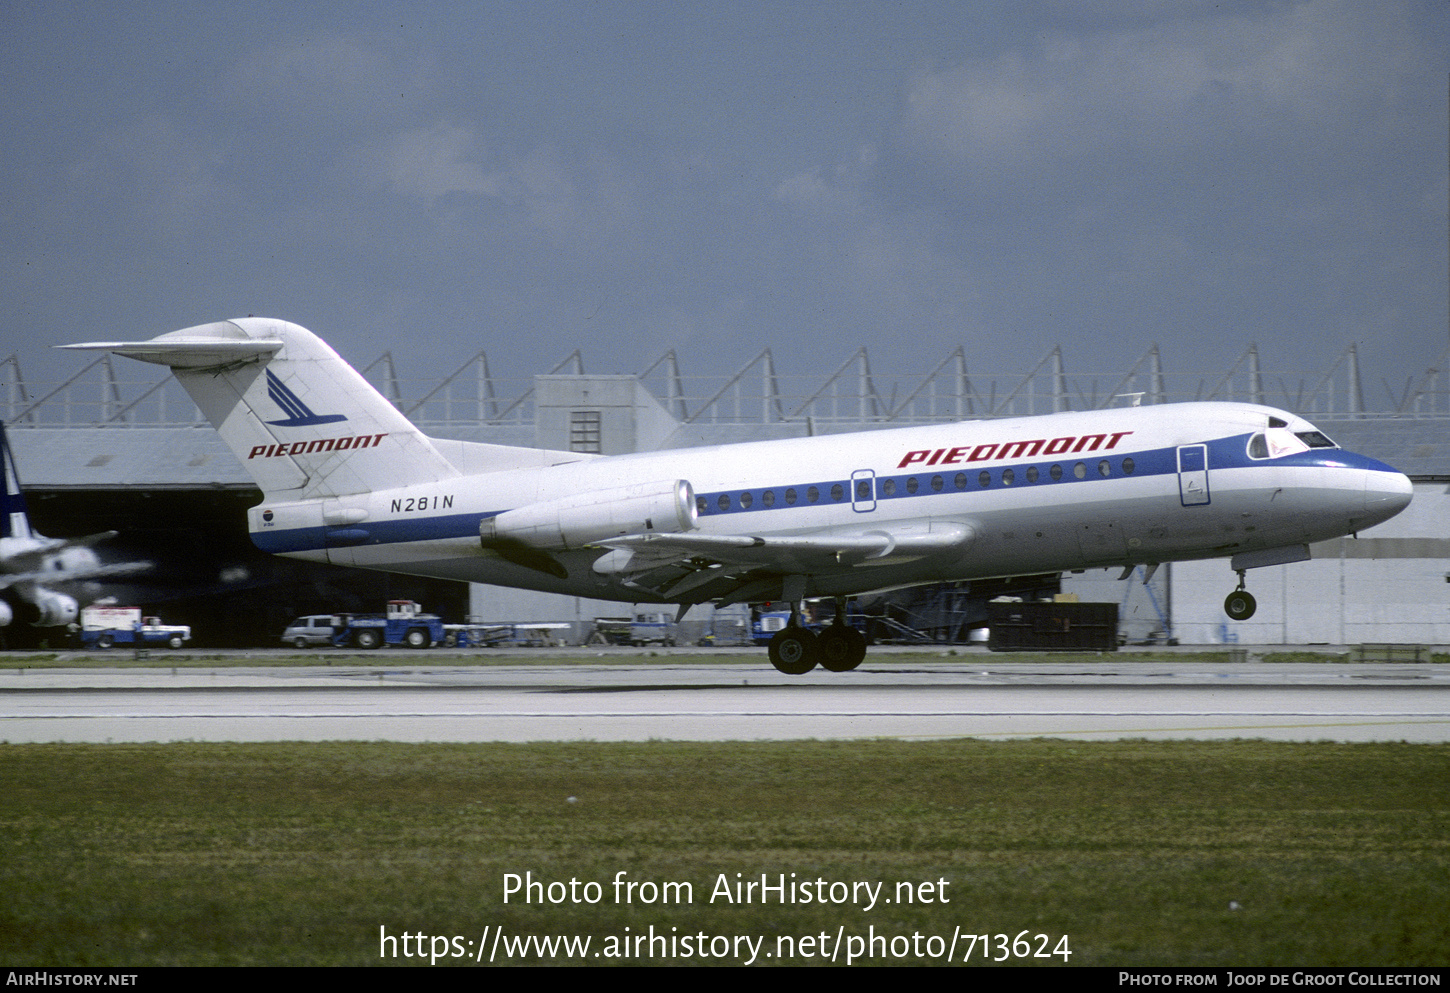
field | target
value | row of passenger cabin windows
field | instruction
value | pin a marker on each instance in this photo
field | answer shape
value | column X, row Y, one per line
column 889, row 487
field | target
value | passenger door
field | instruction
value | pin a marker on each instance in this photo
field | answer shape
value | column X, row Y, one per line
column 1193, row 475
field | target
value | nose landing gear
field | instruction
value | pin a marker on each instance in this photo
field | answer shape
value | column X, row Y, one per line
column 1240, row 604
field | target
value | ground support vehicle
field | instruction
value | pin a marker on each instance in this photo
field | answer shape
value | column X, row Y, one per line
column 404, row 623
column 103, row 627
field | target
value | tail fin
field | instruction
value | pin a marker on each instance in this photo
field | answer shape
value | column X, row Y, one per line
column 302, row 421
column 14, row 517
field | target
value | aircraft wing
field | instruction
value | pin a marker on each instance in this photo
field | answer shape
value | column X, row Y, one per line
column 9, row 579
column 731, row 567
column 49, row 562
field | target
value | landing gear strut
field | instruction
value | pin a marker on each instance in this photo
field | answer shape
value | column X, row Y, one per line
column 1240, row 604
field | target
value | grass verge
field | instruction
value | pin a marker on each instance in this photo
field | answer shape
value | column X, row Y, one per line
column 1141, row 853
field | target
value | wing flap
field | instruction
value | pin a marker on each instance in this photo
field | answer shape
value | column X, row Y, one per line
column 692, row 567
column 799, row 553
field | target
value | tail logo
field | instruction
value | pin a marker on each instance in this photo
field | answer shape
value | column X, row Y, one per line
column 300, row 415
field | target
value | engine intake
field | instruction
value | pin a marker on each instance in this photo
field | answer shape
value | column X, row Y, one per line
column 47, row 609
column 666, row 507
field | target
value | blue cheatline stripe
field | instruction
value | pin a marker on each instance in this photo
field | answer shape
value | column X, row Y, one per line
column 387, row 532
column 1224, row 453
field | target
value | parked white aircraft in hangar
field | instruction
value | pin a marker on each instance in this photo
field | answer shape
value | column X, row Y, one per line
column 40, row 577
column 347, row 479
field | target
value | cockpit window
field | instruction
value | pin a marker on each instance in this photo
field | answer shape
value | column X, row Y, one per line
column 1258, row 447
column 1280, row 442
column 1278, row 422
column 1314, row 439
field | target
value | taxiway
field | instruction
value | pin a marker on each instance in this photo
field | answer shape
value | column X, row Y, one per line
column 719, row 697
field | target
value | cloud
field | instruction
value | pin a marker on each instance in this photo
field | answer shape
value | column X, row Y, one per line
column 325, row 82
column 1326, row 73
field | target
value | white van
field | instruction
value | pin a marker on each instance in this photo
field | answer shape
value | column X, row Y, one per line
column 314, row 629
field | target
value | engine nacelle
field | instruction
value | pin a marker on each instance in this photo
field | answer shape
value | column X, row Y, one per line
column 44, row 608
column 666, row 507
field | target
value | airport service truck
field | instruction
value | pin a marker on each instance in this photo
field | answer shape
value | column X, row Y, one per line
column 104, row 626
column 404, row 623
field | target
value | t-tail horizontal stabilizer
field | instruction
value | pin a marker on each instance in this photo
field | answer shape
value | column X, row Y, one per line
column 302, row 422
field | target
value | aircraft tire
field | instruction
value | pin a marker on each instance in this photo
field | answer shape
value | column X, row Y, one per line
column 794, row 651
column 1240, row 605
column 842, row 648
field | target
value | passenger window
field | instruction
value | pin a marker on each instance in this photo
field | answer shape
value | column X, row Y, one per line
column 767, row 499
column 984, row 479
column 937, row 483
column 1128, row 466
column 1080, row 471
column 1104, row 469
column 911, row 484
column 724, row 502
column 700, row 504
column 745, row 501
column 813, row 494
column 1032, row 474
column 1056, row 473
column 838, row 493
column 888, row 487
column 863, row 489
column 1008, row 477
column 960, row 481
column 790, row 497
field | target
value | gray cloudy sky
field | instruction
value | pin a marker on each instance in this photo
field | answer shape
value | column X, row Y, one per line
column 626, row 177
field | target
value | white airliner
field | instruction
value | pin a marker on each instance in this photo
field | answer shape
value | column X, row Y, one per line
column 347, row 479
column 32, row 565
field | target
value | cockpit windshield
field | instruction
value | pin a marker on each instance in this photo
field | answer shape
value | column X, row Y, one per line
column 1314, row 439
column 1279, row 440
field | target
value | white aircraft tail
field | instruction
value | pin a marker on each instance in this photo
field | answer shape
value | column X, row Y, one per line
column 302, row 421
column 14, row 517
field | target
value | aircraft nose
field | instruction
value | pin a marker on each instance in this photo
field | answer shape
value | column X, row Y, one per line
column 1386, row 494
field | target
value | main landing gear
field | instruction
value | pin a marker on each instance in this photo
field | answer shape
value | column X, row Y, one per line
column 796, row 650
column 1240, row 604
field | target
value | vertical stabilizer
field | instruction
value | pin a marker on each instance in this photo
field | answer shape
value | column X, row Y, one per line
column 14, row 517
column 303, row 422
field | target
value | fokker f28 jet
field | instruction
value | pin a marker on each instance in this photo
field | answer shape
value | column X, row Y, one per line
column 347, row 479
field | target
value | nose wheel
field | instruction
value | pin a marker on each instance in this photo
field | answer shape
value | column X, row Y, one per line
column 1240, row 604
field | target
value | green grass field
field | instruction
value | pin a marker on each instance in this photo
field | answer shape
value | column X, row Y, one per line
column 1140, row 853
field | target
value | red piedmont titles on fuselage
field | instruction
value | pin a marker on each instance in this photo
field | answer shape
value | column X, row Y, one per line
column 1000, row 451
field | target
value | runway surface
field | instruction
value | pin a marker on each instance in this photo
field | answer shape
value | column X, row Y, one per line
column 730, row 697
